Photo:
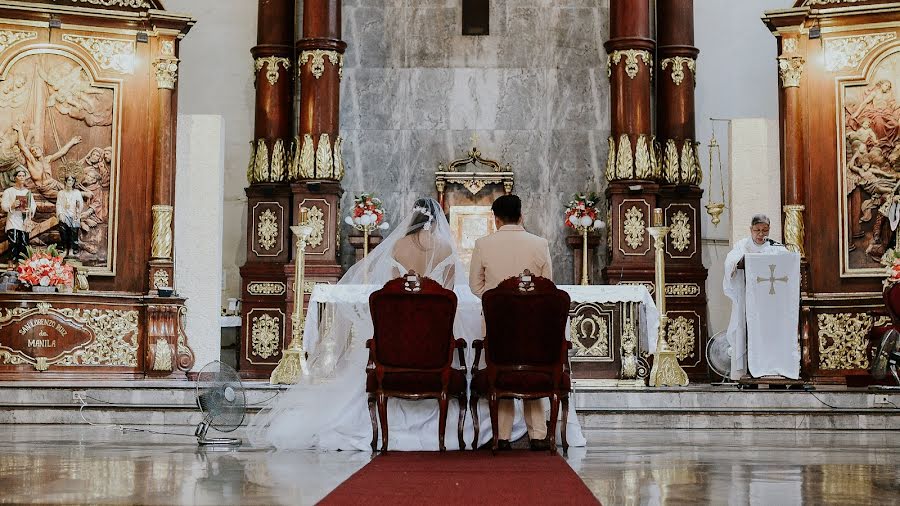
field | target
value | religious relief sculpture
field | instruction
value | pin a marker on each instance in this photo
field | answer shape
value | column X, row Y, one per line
column 870, row 172
column 57, row 132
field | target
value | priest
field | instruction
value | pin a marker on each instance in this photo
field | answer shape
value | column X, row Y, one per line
column 735, row 288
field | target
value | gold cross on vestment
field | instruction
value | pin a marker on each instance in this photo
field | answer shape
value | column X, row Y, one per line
column 771, row 279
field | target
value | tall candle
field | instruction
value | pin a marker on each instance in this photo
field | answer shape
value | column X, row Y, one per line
column 304, row 215
column 657, row 217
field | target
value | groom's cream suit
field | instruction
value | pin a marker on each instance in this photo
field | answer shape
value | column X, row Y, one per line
column 496, row 257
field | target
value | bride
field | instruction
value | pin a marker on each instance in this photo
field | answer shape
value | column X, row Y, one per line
column 327, row 408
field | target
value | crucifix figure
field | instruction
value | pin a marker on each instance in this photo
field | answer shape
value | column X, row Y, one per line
column 771, row 279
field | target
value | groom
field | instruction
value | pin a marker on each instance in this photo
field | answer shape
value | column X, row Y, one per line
column 497, row 257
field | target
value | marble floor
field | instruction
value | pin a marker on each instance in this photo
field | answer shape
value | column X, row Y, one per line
column 52, row 464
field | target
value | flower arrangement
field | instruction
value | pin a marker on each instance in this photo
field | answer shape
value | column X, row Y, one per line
column 45, row 268
column 891, row 260
column 367, row 213
column 582, row 212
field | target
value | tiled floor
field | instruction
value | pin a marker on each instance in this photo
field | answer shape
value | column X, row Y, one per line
column 91, row 465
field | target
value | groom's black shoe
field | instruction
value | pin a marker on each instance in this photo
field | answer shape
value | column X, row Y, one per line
column 504, row 445
column 540, row 445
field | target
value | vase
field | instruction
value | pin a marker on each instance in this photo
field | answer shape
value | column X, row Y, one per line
column 43, row 289
column 64, row 289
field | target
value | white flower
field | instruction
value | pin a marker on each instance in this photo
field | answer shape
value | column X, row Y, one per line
column 599, row 225
column 45, row 281
column 586, row 221
column 348, row 220
column 384, row 226
column 573, row 220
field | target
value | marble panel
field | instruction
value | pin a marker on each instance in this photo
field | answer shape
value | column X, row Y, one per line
column 429, row 31
column 428, row 148
column 527, row 40
column 349, row 114
column 577, row 36
column 522, row 100
column 526, row 152
column 473, row 99
column 578, row 100
column 381, row 159
column 427, row 106
column 375, row 36
column 377, row 92
column 575, row 163
column 474, row 51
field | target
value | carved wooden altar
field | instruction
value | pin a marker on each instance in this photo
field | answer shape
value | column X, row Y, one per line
column 839, row 146
column 87, row 89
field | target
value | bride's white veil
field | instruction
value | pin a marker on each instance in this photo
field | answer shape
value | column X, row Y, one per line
column 335, row 336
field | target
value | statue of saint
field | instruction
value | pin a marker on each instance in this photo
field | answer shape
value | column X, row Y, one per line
column 69, row 205
column 18, row 203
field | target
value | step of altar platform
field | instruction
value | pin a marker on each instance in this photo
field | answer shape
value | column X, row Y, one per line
column 173, row 403
column 725, row 407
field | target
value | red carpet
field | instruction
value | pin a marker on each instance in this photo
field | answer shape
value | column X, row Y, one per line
column 471, row 477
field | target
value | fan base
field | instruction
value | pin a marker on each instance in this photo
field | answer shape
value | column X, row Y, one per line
column 229, row 441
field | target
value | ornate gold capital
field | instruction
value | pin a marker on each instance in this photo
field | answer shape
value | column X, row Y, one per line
column 317, row 59
column 166, row 70
column 161, row 245
column 794, row 228
column 790, row 68
column 678, row 63
column 271, row 63
column 631, row 61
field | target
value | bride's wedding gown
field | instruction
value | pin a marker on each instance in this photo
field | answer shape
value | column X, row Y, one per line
column 327, row 409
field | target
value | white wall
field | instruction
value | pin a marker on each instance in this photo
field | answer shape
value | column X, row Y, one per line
column 198, row 230
column 216, row 77
column 737, row 77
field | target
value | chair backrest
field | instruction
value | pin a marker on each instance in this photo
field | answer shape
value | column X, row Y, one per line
column 412, row 318
column 892, row 301
column 525, row 318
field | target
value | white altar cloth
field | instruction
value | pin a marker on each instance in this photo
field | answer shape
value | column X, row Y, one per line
column 773, row 313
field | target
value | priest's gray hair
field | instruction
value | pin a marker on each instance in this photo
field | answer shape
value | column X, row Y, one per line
column 759, row 218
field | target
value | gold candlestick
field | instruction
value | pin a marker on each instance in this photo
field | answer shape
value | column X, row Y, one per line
column 666, row 370
column 293, row 359
column 584, row 255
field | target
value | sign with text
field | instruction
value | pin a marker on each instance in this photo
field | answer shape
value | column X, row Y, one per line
column 43, row 335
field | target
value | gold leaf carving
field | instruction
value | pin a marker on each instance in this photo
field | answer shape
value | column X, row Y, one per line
column 166, row 70
column 276, row 171
column 843, row 339
column 670, row 163
column 611, row 160
column 262, row 160
column 267, row 229
column 682, row 290
column 12, row 37
column 681, row 338
column 590, row 327
column 848, row 52
column 642, row 168
column 160, row 278
column 794, row 229
column 680, row 232
column 134, row 4
column 161, row 240
column 687, row 161
column 316, row 219
column 624, row 159
column 338, row 159
column 790, row 69
column 264, row 334
column 634, row 227
column 271, row 64
column 324, row 167
column 162, row 356
column 307, row 158
column 251, row 165
column 110, row 54
column 629, row 345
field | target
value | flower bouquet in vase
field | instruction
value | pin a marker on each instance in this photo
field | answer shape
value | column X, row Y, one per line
column 367, row 215
column 45, row 270
column 583, row 215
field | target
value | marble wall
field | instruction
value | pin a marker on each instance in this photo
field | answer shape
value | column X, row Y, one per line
column 534, row 92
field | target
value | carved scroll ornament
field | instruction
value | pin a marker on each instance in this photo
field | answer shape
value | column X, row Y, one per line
column 678, row 64
column 680, row 232
column 843, row 340
column 634, row 227
column 681, row 337
column 271, row 64
column 631, row 61
column 12, row 37
column 265, row 332
column 848, row 52
column 317, row 57
column 110, row 54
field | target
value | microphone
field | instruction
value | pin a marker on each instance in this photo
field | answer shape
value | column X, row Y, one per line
column 773, row 243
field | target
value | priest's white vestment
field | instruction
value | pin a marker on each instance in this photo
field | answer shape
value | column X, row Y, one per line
column 767, row 360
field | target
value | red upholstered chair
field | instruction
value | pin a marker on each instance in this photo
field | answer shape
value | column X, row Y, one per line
column 411, row 352
column 525, row 349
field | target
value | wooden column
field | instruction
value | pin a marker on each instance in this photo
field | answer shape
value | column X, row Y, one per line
column 793, row 156
column 318, row 165
column 265, row 330
column 680, row 192
column 161, row 270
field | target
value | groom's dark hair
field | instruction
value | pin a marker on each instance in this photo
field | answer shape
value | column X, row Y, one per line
column 507, row 208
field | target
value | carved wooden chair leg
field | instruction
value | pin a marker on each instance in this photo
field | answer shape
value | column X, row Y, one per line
column 554, row 416
column 382, row 416
column 565, row 423
column 443, row 403
column 476, row 423
column 495, row 423
column 460, row 425
column 374, row 423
